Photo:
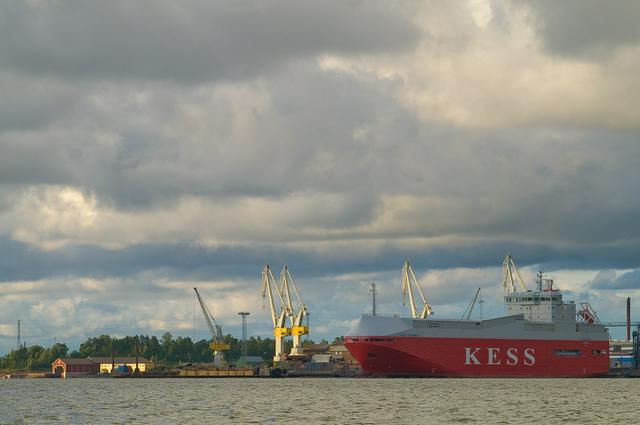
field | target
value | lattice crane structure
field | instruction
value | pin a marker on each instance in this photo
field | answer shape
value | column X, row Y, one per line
column 278, row 316
column 217, row 339
column 408, row 282
column 297, row 317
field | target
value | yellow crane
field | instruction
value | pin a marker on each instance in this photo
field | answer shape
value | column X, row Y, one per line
column 298, row 329
column 217, row 343
column 278, row 317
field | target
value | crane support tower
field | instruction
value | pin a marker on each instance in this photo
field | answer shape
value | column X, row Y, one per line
column 467, row 313
column 278, row 317
column 297, row 317
column 217, row 340
column 408, row 282
column 587, row 314
column 511, row 276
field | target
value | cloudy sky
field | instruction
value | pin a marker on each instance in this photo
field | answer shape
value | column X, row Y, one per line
column 148, row 147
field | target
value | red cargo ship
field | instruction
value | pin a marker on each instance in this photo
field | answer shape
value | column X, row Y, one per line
column 542, row 336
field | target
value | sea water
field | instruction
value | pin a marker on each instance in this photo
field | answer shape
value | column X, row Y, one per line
column 319, row 401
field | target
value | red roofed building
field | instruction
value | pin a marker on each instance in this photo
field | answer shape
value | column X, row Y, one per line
column 69, row 367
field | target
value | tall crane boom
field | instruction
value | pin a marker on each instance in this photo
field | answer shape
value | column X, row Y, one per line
column 511, row 276
column 467, row 313
column 217, row 345
column 278, row 317
column 408, row 282
column 298, row 329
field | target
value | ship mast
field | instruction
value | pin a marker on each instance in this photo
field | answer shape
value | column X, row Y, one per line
column 544, row 283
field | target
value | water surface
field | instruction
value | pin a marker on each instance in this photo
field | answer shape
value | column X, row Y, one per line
column 320, row 401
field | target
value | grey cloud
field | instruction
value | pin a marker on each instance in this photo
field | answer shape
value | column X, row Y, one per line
column 586, row 27
column 28, row 160
column 320, row 131
column 609, row 280
column 189, row 261
column 195, row 40
column 32, row 103
column 302, row 141
column 559, row 186
column 603, row 278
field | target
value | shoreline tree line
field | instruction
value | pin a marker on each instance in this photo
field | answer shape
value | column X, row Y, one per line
column 165, row 351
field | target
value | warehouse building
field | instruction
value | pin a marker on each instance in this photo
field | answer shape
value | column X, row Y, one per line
column 105, row 363
column 91, row 366
column 71, row 368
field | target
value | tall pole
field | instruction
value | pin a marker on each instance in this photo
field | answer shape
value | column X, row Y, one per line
column 373, row 295
column 18, row 342
column 137, row 358
column 243, row 352
column 628, row 318
column 192, row 355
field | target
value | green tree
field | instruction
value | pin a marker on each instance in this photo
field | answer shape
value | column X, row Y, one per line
column 183, row 349
column 202, row 352
column 97, row 347
column 153, row 349
column 58, row 350
column 168, row 348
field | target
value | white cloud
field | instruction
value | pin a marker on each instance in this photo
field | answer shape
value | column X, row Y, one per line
column 497, row 74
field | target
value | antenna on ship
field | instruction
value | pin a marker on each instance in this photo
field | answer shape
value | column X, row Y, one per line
column 539, row 280
column 544, row 284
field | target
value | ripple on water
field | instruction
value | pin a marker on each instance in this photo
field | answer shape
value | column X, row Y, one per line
column 318, row 401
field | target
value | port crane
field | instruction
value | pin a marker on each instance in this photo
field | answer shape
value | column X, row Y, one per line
column 467, row 313
column 511, row 276
column 217, row 344
column 298, row 329
column 408, row 282
column 278, row 317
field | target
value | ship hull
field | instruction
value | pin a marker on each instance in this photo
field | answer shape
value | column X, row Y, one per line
column 478, row 357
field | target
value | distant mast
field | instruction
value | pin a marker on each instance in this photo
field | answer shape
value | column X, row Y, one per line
column 544, row 283
column 373, row 296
